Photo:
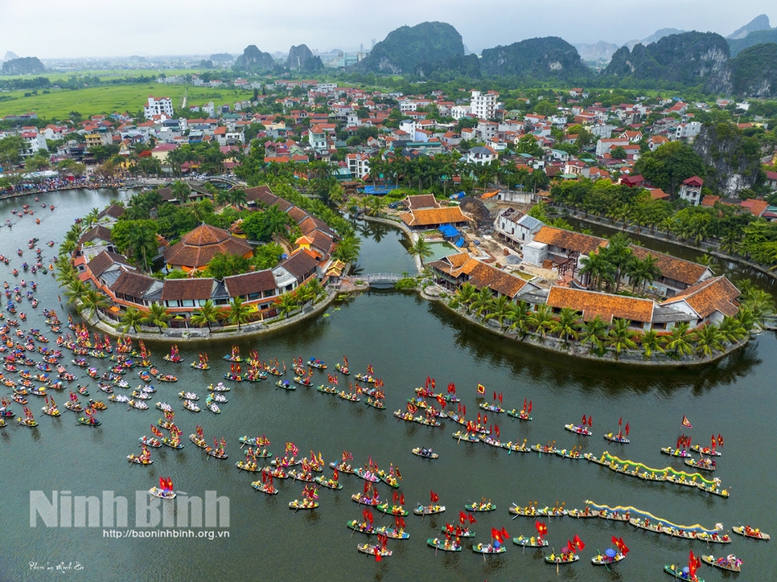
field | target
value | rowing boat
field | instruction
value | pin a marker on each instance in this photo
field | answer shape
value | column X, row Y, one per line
column 614, row 438
column 444, row 545
column 139, row 460
column 392, row 532
column 391, row 509
column 428, row 509
column 375, row 403
column 348, row 396
column 480, row 506
column 267, row 488
column 342, row 369
column 285, row 384
column 562, row 558
column 522, row 415
column 578, row 429
column 343, row 467
column 488, row 549
column 706, row 451
column 220, row 387
column 466, row 436
column 361, row 527
column 304, row 504
column 531, row 542
column 532, row 511
column 162, row 493
column 363, row 499
column 547, row 449
column 150, row 442
column 682, row 453
column 603, row 560
column 425, row 453
column 89, row 422
column 677, row 572
column 491, row 407
column 516, row 448
column 216, row 453
column 375, row 550
column 305, row 476
column 327, row 389
column 587, row 512
column 388, row 479
column 189, row 405
column 198, row 441
column 303, row 381
column 328, row 483
column 749, row 532
column 703, row 464
column 730, row 563
column 367, row 475
column 459, row 532
column 249, row 466
column 173, row 444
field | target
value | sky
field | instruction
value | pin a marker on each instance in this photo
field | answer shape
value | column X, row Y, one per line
column 90, row 28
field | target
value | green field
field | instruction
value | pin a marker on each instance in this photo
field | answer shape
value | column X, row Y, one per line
column 105, row 100
column 107, row 74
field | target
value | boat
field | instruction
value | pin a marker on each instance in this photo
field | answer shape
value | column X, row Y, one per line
column 118, row 398
column 28, row 422
column 703, row 464
column 515, row 447
column 488, row 549
column 365, row 378
column 491, row 407
column 327, row 389
column 361, row 527
column 220, row 387
column 137, row 404
column 150, row 442
column 393, row 532
column 532, row 542
column 140, row 395
column 547, row 449
column 750, row 532
column 532, row 511
column 458, row 531
column 97, row 405
column 305, row 476
column 586, row 513
column 314, row 363
column 200, row 365
column 392, row 509
column 374, row 550
column 267, row 488
column 140, row 459
column 578, row 429
column 216, row 453
column 350, row 396
column 213, row 407
column 606, row 560
column 304, row 504
column 198, row 441
column 303, row 381
column 166, row 378
column 285, row 384
column 428, row 509
column 425, row 453
column 469, row 437
column 342, row 369
column 706, row 451
column 388, row 478
column 162, row 493
column 682, row 453
column 247, row 465
column 480, row 506
column 330, row 483
column 562, row 558
column 730, row 562
column 189, row 405
column 445, row 545
column 173, row 443
column 51, row 410
column 375, row 403
column 678, row 572
column 366, row 499
column 188, row 396
column 343, row 467
column 616, row 438
column 164, row 406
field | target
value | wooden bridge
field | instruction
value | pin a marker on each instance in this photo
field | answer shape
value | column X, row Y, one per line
column 381, row 280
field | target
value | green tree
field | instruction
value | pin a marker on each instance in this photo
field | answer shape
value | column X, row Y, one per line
column 466, row 294
column 347, row 250
column 286, row 304
column 11, row 148
column 421, row 248
column 131, row 319
column 541, row 319
column 621, row 337
column 708, row 339
column 594, row 332
column 207, row 314
column 651, row 343
column 238, row 312
column 500, row 310
column 157, row 315
column 267, row 255
column 567, row 324
column 482, row 301
column 94, row 301
column 225, row 265
column 669, row 165
column 678, row 340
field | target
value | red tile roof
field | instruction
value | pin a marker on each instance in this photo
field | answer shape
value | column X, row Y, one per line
column 606, row 306
column 198, row 247
column 716, row 294
column 673, row 268
column 566, row 239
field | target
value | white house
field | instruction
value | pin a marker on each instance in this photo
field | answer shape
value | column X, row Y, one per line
column 317, row 138
column 481, row 155
column 484, row 104
column 691, row 190
column 517, row 227
column 358, row 164
column 459, row 111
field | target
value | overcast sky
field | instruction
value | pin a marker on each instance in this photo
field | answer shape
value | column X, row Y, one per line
column 83, row 28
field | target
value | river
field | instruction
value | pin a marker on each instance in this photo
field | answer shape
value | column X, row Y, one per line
column 406, row 339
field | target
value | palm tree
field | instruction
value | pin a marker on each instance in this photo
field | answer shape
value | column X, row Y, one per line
column 500, row 309
column 708, row 340
column 520, row 317
column 567, row 324
column 482, row 301
column 94, row 301
column 347, row 249
column 541, row 319
column 593, row 332
column 466, row 295
column 641, row 273
column 421, row 249
column 75, row 290
column 92, row 217
column 286, row 304
column 746, row 319
column 238, row 312
column 373, row 205
column 677, row 340
column 759, row 303
column 131, row 319
column 619, row 254
column 205, row 315
column 732, row 330
column 621, row 337
column 314, row 289
column 157, row 315
column 651, row 343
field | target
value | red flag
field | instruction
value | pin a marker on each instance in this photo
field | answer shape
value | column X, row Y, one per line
column 435, row 498
column 500, row 398
column 161, row 483
column 478, row 418
column 529, row 410
column 720, row 440
column 578, row 542
column 620, row 421
column 378, row 557
column 713, row 442
column 471, row 518
column 464, row 410
column 614, row 540
column 485, row 419
column 462, row 517
column 584, row 420
column 366, row 486
column 399, row 475
column 590, row 422
column 496, row 534
column 627, row 429
column 692, row 564
column 504, row 534
column 496, row 430
column 402, row 499
column 495, row 395
column 524, row 403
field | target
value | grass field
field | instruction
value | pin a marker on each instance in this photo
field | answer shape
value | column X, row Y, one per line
column 104, row 100
column 55, row 76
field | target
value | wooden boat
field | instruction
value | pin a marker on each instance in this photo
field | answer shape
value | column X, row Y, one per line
column 216, row 453
column 189, row 405
column 516, row 448
column 97, row 405
column 164, row 406
column 256, row 441
column 391, row 509
column 140, row 395
column 562, row 558
column 367, row 475
column 428, row 509
column 532, row 511
column 392, row 532
column 162, row 493
column 706, row 451
column 363, row 499
column 444, row 545
column 469, row 437
column 388, row 479
column 267, row 488
column 532, row 542
column 213, row 407
column 342, row 369
column 249, row 466
column 601, row 560
column 307, row 477
column 318, row 364
column 614, row 438
column 677, row 572
column 137, row 404
column 361, row 527
column 581, row 430
column 117, row 398
column 285, row 384
column 459, row 532
column 585, row 513
column 328, row 483
column 93, row 422
column 28, row 422
column 200, row 366
column 425, row 453
column 480, row 506
column 488, row 549
column 573, row 454
column 188, row 396
column 426, row 393
column 491, row 407
column 350, row 396
column 682, row 453
column 198, row 441
column 365, row 378
column 343, row 467
column 166, row 378
column 285, row 462
column 51, row 411
column 139, row 460
column 327, row 389
column 730, row 563
column 703, row 464
column 150, row 442
column 375, row 403
column 172, row 443
column 375, row 550
column 304, row 504
column 303, row 381
column 750, row 532
column 547, row 449
column 220, row 387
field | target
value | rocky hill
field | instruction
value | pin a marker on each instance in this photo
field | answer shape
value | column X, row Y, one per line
column 752, row 39
column 537, row 58
column 753, row 73
column 301, row 59
column 23, row 66
column 408, row 46
column 760, row 22
column 600, row 51
column 732, row 159
column 688, row 58
column 254, row 60
column 458, row 66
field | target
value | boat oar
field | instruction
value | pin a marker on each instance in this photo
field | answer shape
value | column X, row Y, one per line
column 605, row 563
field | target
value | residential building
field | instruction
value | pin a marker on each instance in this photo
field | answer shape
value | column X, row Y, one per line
column 516, row 227
column 691, row 190
column 483, row 105
column 161, row 106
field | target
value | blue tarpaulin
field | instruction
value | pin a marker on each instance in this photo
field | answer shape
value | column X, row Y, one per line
column 459, row 242
column 449, row 231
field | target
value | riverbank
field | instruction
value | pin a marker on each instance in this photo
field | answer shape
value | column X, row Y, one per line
column 412, row 237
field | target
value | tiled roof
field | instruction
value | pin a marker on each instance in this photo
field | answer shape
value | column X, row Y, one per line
column 672, row 267
column 97, row 233
column 479, row 274
column 566, row 239
column 132, row 284
column 242, row 285
column 193, row 289
column 606, row 306
column 312, row 223
column 300, row 264
column 261, row 194
column 297, row 214
column 104, row 261
column 434, row 216
column 706, row 297
column 422, row 201
column 199, row 246
column 114, row 211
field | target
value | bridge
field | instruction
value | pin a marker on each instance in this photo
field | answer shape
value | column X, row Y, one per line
column 224, row 180
column 381, row 280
